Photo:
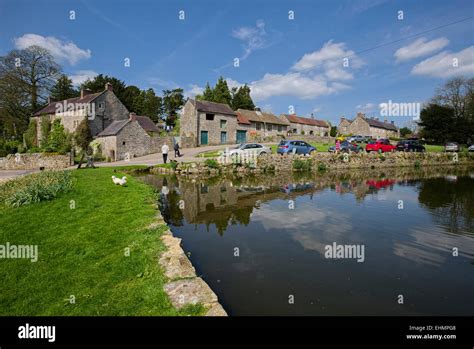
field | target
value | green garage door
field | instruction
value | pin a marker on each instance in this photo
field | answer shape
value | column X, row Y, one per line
column 241, row 137
column 204, row 138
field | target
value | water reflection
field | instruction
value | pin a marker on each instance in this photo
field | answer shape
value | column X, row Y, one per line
column 281, row 224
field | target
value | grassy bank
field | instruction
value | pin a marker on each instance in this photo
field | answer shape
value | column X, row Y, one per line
column 82, row 252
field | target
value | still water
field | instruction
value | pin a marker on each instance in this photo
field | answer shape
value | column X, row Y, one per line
column 261, row 242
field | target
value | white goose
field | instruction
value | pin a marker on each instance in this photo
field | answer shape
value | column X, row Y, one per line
column 119, row 181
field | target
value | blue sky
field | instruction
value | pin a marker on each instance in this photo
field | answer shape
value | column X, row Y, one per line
column 286, row 62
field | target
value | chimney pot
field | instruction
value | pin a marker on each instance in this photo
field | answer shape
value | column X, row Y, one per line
column 108, row 86
column 132, row 116
column 51, row 100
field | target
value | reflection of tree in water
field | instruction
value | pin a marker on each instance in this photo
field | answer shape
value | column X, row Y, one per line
column 169, row 207
column 221, row 218
column 451, row 203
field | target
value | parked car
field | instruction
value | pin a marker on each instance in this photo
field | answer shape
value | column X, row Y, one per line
column 345, row 147
column 249, row 149
column 357, row 139
column 380, row 146
column 451, row 146
column 410, row 145
column 296, row 147
column 471, row 148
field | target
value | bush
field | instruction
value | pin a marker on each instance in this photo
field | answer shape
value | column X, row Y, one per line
column 34, row 188
column 211, row 163
column 58, row 140
column 9, row 147
column 322, row 167
column 302, row 165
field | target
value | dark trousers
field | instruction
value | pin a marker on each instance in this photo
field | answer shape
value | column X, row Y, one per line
column 165, row 157
column 176, row 153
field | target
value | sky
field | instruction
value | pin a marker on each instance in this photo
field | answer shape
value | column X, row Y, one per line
column 326, row 58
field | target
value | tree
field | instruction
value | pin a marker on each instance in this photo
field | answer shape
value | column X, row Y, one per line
column 82, row 139
column 404, row 131
column 63, row 89
column 333, row 131
column 30, row 135
column 129, row 97
column 208, row 94
column 221, row 92
column 438, row 123
column 152, row 105
column 173, row 100
column 26, row 77
column 58, row 139
column 45, row 126
column 241, row 98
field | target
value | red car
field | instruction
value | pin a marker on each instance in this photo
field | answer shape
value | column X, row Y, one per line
column 380, row 146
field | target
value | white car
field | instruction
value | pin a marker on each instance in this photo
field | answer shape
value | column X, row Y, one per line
column 471, row 148
column 249, row 149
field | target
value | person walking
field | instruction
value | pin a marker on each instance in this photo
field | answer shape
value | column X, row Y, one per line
column 176, row 150
column 164, row 150
column 338, row 146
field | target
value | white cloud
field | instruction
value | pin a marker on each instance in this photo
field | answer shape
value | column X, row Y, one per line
column 82, row 75
column 419, row 48
column 329, row 57
column 442, row 64
column 193, row 91
column 61, row 50
column 368, row 107
column 293, row 84
column 253, row 38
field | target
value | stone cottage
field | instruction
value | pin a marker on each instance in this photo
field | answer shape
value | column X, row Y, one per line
column 101, row 110
column 129, row 138
column 209, row 123
column 307, row 126
column 261, row 125
column 373, row 127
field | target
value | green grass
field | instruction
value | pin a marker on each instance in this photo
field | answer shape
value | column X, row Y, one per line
column 82, row 252
column 210, row 154
column 434, row 148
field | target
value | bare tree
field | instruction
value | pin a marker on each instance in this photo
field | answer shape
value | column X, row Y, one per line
column 456, row 94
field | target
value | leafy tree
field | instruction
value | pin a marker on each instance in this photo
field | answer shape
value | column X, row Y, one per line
column 333, row 131
column 152, row 105
column 221, row 92
column 208, row 94
column 242, row 99
column 30, row 135
column 63, row 89
column 404, row 131
column 173, row 100
column 82, row 139
column 45, row 126
column 58, row 140
column 437, row 123
column 129, row 97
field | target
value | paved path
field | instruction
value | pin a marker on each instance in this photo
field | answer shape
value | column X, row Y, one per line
column 6, row 175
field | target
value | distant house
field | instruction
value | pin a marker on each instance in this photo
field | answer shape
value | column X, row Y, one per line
column 101, row 110
column 307, row 126
column 125, row 139
column 363, row 126
column 209, row 123
column 262, row 124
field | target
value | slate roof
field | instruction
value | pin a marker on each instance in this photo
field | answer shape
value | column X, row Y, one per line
column 211, row 107
column 51, row 107
column 114, row 128
column 146, row 123
column 381, row 124
column 305, row 121
column 259, row 116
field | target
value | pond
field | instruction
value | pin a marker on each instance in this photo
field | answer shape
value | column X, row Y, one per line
column 399, row 242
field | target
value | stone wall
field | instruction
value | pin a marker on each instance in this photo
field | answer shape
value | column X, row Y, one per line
column 36, row 161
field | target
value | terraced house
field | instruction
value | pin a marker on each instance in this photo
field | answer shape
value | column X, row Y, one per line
column 262, row 125
column 364, row 126
column 306, row 126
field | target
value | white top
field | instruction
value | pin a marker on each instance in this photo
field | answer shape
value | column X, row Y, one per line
column 165, row 149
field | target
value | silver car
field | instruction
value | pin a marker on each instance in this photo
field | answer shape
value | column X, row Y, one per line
column 249, row 149
column 451, row 146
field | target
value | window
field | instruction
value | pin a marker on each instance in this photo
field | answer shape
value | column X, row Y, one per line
column 269, row 127
column 223, row 123
column 123, row 143
column 280, row 128
column 210, row 117
column 259, row 126
column 101, row 105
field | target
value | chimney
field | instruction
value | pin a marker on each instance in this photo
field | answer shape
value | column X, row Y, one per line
column 392, row 122
column 108, row 87
column 386, row 121
column 362, row 115
column 85, row 92
column 257, row 109
column 51, row 100
column 133, row 116
column 312, row 116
